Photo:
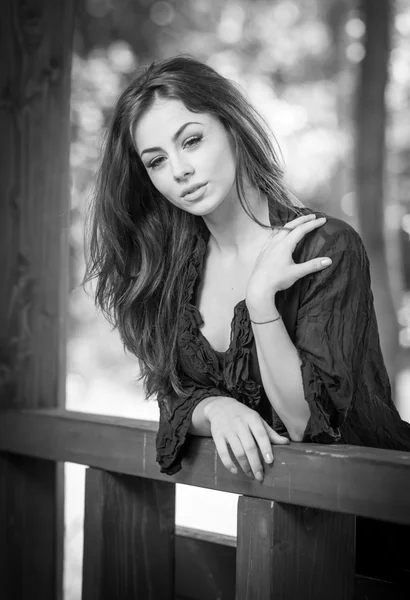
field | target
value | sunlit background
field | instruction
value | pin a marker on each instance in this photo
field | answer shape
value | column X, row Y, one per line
column 297, row 62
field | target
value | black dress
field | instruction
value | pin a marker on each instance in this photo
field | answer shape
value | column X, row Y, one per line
column 330, row 318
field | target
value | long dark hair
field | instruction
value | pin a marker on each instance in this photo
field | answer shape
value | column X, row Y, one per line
column 138, row 244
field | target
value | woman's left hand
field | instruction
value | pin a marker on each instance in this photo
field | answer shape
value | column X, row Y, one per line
column 274, row 268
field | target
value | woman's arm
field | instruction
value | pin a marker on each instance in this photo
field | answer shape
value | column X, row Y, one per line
column 323, row 366
column 279, row 365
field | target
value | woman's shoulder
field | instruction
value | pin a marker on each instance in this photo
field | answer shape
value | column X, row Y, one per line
column 335, row 234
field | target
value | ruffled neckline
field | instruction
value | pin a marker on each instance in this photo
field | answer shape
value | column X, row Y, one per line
column 228, row 371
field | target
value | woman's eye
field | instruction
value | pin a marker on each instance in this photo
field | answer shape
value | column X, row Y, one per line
column 193, row 141
column 154, row 164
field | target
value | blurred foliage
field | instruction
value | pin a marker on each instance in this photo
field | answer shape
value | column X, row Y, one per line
column 295, row 60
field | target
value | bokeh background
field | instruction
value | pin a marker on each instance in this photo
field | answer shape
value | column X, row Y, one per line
column 300, row 63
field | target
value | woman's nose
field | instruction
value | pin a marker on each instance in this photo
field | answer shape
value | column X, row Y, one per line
column 181, row 170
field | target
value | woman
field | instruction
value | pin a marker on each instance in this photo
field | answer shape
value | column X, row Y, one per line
column 251, row 316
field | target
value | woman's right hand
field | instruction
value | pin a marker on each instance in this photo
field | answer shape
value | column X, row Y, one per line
column 246, row 433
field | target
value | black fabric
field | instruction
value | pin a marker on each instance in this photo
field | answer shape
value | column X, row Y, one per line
column 330, row 319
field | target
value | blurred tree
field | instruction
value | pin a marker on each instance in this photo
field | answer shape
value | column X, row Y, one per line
column 369, row 165
column 336, row 14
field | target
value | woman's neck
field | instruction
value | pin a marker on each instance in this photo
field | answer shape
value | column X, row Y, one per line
column 232, row 231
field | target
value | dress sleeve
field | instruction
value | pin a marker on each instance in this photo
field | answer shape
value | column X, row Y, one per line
column 332, row 333
column 175, row 417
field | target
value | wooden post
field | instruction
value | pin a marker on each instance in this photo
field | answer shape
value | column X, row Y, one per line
column 129, row 538
column 287, row 552
column 36, row 49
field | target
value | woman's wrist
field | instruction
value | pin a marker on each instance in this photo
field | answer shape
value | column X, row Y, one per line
column 262, row 309
column 208, row 406
column 200, row 424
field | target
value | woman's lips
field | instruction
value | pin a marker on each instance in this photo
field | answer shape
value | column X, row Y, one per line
column 198, row 193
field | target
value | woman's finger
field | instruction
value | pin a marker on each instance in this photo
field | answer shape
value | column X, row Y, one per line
column 274, row 436
column 283, row 232
column 301, row 219
column 298, row 232
column 249, row 447
column 261, row 435
column 291, row 225
column 224, row 455
column 244, row 450
column 312, row 266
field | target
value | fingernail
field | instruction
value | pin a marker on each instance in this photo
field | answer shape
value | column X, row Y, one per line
column 326, row 261
column 234, row 470
column 259, row 476
column 269, row 457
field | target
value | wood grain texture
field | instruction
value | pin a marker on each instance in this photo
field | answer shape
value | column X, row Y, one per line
column 28, row 522
column 368, row 482
column 290, row 552
column 129, row 538
column 204, row 570
column 36, row 51
column 207, row 571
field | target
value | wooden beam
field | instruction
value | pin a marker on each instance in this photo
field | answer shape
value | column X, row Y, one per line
column 206, row 569
column 27, row 540
column 287, row 551
column 368, row 482
column 210, row 537
column 129, row 538
column 36, row 50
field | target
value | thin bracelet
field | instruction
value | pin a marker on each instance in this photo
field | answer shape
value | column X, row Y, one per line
column 263, row 322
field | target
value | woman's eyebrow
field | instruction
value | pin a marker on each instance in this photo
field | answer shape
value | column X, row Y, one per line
column 174, row 137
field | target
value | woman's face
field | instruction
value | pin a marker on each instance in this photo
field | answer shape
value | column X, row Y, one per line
column 181, row 149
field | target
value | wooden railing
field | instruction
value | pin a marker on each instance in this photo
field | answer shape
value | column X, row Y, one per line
column 296, row 535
